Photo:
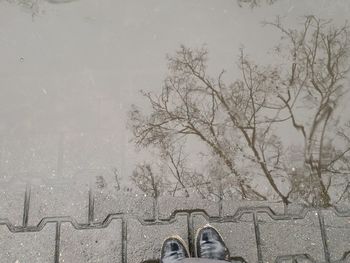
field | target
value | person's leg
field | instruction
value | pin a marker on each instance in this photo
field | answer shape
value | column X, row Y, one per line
column 210, row 245
column 174, row 249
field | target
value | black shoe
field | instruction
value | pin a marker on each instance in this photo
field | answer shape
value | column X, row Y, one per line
column 209, row 244
column 173, row 250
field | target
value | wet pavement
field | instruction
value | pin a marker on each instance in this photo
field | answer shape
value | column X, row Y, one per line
column 76, row 224
column 66, row 156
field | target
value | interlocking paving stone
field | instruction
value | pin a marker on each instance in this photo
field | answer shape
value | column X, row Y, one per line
column 28, row 247
column 91, row 245
column 338, row 234
column 168, row 204
column 290, row 237
column 230, row 207
column 282, row 239
column 144, row 241
column 110, row 202
column 295, row 259
column 294, row 209
column 239, row 235
column 12, row 201
column 60, row 198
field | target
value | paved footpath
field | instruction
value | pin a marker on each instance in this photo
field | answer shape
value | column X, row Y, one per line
column 50, row 224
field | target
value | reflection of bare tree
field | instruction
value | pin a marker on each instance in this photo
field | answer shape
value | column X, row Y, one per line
column 100, row 182
column 319, row 63
column 116, row 178
column 33, row 6
column 340, row 166
column 341, row 162
column 255, row 3
column 176, row 164
column 345, row 194
column 236, row 122
column 147, row 181
column 172, row 175
column 192, row 104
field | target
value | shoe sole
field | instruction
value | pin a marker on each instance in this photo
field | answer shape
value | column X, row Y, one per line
column 197, row 234
column 178, row 238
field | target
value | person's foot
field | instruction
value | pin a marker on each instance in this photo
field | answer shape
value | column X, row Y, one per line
column 209, row 244
column 173, row 250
